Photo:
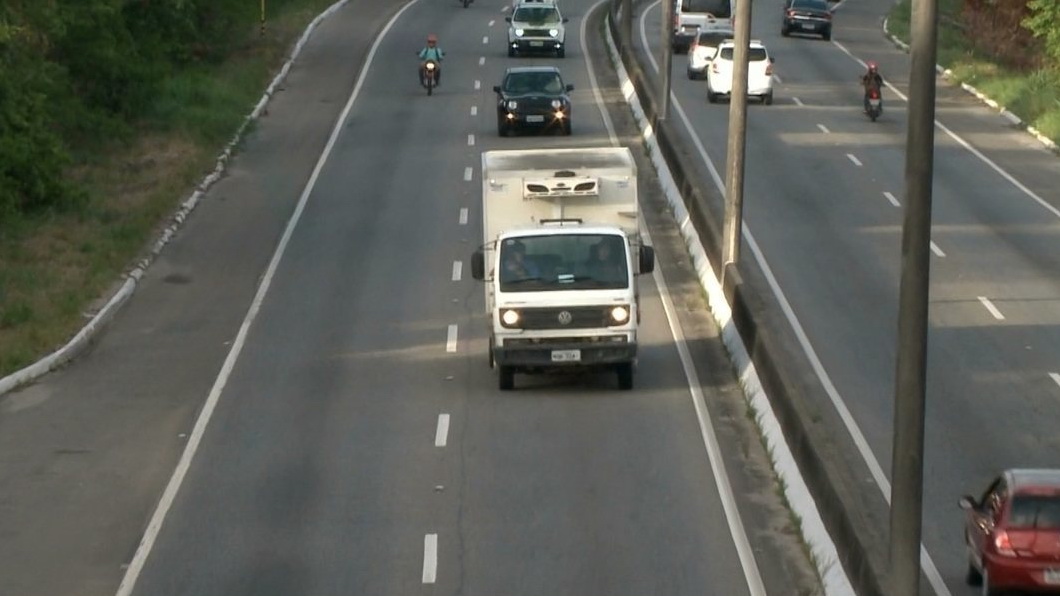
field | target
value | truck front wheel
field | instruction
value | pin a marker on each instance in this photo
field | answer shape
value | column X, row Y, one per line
column 625, row 376
column 506, row 378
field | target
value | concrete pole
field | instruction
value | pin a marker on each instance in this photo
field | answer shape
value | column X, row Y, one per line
column 734, row 156
column 667, row 58
column 626, row 21
column 907, row 472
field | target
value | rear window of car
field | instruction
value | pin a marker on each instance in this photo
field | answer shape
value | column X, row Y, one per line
column 811, row 4
column 1035, row 511
column 719, row 8
column 714, row 38
column 756, row 55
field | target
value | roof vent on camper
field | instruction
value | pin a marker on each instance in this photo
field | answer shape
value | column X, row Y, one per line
column 585, row 186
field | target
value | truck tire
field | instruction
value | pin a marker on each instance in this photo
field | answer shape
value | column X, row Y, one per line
column 505, row 378
column 493, row 363
column 625, row 376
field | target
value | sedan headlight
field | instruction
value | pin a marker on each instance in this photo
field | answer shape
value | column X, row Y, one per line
column 620, row 314
column 553, row 32
column 519, row 32
column 557, row 104
column 510, row 318
column 512, row 104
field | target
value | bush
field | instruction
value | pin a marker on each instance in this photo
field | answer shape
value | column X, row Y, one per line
column 1044, row 23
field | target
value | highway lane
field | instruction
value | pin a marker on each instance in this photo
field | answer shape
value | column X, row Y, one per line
column 821, row 192
column 361, row 445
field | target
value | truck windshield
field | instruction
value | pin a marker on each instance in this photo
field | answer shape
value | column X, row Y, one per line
column 563, row 262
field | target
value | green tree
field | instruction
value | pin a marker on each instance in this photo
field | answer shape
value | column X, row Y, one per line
column 1044, row 23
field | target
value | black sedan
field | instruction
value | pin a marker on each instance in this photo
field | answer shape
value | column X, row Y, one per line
column 533, row 97
column 807, row 16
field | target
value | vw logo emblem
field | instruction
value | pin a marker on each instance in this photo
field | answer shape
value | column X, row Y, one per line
column 565, row 318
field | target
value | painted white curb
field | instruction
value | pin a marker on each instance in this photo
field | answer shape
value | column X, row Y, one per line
column 825, row 555
column 947, row 74
column 105, row 314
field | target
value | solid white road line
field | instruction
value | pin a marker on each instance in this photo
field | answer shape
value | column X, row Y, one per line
column 458, row 269
column 478, row 85
column 935, row 249
column 893, row 199
column 154, row 526
column 853, row 159
column 990, row 307
column 474, row 110
column 824, row 129
column 430, row 558
column 470, row 140
column 463, row 216
column 1055, row 377
column 485, row 40
column 797, row 101
column 441, row 435
column 481, row 60
column 468, row 172
column 450, row 340
column 1001, row 171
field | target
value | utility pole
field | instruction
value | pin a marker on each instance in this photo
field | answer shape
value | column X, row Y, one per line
column 626, row 22
column 262, row 18
column 668, row 58
column 907, row 467
column 734, row 156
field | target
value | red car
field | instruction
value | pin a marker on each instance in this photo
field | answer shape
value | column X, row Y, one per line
column 1013, row 533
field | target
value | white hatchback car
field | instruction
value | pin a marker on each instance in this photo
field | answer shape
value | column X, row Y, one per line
column 759, row 72
column 703, row 48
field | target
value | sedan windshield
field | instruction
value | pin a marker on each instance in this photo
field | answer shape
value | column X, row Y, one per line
column 518, row 83
column 536, row 15
column 567, row 262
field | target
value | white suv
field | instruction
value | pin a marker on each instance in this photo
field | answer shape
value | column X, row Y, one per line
column 536, row 27
column 759, row 72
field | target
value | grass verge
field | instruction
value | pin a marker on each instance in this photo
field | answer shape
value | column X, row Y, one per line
column 56, row 268
column 1034, row 96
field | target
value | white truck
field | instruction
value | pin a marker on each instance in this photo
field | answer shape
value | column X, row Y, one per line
column 561, row 254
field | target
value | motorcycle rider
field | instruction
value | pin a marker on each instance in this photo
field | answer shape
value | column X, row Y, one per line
column 872, row 80
column 431, row 52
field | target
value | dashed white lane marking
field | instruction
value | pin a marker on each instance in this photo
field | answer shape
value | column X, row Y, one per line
column 470, row 140
column 824, row 129
column 1055, row 377
column 990, row 307
column 463, row 216
column 478, row 85
column 154, row 526
column 935, row 249
column 481, row 60
column 467, row 174
column 485, row 40
column 442, row 434
column 430, row 558
column 893, row 199
column 450, row 341
column 458, row 268
column 474, row 110
column 777, row 79
column 797, row 101
column 492, row 22
column 853, row 159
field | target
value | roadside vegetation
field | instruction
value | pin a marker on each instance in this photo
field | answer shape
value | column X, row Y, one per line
column 110, row 112
column 1008, row 49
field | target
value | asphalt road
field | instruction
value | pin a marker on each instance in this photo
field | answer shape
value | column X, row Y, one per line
column 356, row 440
column 823, row 192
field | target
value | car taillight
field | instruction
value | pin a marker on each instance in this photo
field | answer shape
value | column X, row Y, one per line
column 1003, row 544
column 714, row 68
column 769, row 70
column 828, row 16
column 791, row 13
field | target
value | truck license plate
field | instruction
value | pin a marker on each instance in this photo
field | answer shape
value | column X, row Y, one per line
column 1051, row 576
column 566, row 355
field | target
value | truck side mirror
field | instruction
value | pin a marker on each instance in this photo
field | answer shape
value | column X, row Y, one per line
column 566, row 20
column 570, row 88
column 507, row 19
column 478, row 265
column 496, row 88
column 647, row 259
column 967, row 503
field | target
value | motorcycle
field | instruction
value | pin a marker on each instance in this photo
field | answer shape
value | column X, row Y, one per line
column 466, row 2
column 429, row 75
column 875, row 104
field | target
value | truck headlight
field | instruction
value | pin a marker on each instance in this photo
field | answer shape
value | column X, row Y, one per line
column 553, row 32
column 512, row 104
column 510, row 318
column 519, row 32
column 620, row 314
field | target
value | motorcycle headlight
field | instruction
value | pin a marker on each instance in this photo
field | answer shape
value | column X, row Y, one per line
column 430, row 66
column 553, row 32
column 557, row 104
column 519, row 32
column 620, row 314
column 512, row 104
column 510, row 318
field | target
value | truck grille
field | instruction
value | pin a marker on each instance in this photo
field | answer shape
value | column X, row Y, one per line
column 581, row 317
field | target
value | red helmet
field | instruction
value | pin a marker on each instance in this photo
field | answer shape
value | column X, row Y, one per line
column 872, row 66
column 432, row 39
